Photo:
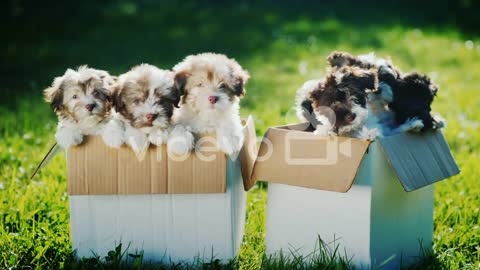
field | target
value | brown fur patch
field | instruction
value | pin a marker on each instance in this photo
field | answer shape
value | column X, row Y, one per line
column 341, row 59
column 180, row 81
column 210, row 75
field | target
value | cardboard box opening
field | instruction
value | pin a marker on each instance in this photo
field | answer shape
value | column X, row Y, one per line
column 293, row 155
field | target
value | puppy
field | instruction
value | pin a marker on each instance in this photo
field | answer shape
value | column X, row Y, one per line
column 212, row 85
column 336, row 105
column 144, row 99
column 402, row 102
column 82, row 102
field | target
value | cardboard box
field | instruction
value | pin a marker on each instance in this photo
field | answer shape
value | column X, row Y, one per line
column 173, row 209
column 372, row 199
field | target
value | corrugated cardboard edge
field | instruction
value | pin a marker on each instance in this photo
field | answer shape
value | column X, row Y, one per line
column 415, row 170
column 264, row 171
column 248, row 153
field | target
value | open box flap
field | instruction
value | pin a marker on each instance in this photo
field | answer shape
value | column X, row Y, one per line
column 248, row 154
column 293, row 155
column 419, row 159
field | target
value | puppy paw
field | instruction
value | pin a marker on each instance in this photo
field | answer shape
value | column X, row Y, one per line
column 230, row 144
column 417, row 126
column 439, row 122
column 158, row 137
column 413, row 125
column 322, row 130
column 368, row 134
column 180, row 141
column 67, row 137
column 114, row 140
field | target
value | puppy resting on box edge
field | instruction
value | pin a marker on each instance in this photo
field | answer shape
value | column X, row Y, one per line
column 402, row 102
column 212, row 86
column 82, row 103
column 144, row 99
column 336, row 105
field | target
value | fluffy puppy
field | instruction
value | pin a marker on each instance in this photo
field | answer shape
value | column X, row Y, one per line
column 336, row 105
column 212, row 85
column 144, row 99
column 82, row 102
column 402, row 102
column 413, row 94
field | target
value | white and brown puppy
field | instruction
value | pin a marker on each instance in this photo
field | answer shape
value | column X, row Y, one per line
column 212, row 85
column 144, row 99
column 82, row 102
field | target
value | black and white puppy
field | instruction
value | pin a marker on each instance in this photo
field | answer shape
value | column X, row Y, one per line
column 336, row 105
column 402, row 102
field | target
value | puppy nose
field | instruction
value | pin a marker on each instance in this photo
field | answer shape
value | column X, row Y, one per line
column 213, row 99
column 90, row 107
column 151, row 116
column 354, row 115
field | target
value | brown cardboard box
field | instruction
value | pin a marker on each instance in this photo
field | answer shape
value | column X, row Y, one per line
column 95, row 169
column 293, row 155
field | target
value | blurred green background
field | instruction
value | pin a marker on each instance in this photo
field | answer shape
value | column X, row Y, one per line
column 281, row 43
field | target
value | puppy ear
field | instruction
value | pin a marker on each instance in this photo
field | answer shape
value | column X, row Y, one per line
column 178, row 90
column 240, row 78
column 54, row 94
column 340, row 59
column 117, row 102
column 422, row 80
column 369, row 80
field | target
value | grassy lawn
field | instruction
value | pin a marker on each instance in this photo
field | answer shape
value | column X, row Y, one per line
column 282, row 45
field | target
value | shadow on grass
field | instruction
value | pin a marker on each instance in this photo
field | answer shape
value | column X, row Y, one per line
column 325, row 256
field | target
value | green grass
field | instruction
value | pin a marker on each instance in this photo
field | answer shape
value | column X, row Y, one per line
column 282, row 46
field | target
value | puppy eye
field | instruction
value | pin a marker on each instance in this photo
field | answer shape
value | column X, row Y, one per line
column 199, row 84
column 74, row 96
column 136, row 101
column 221, row 86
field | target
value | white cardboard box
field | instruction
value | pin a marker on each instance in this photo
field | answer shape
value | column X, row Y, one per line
column 170, row 209
column 177, row 227
column 352, row 193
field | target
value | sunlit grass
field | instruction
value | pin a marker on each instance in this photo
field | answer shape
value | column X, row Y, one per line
column 280, row 53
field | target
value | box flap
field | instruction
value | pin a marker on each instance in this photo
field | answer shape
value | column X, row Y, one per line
column 54, row 150
column 419, row 159
column 248, row 154
column 293, row 155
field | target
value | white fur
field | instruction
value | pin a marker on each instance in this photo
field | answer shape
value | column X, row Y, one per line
column 196, row 113
column 325, row 127
column 224, row 124
column 303, row 94
column 181, row 140
column 114, row 133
